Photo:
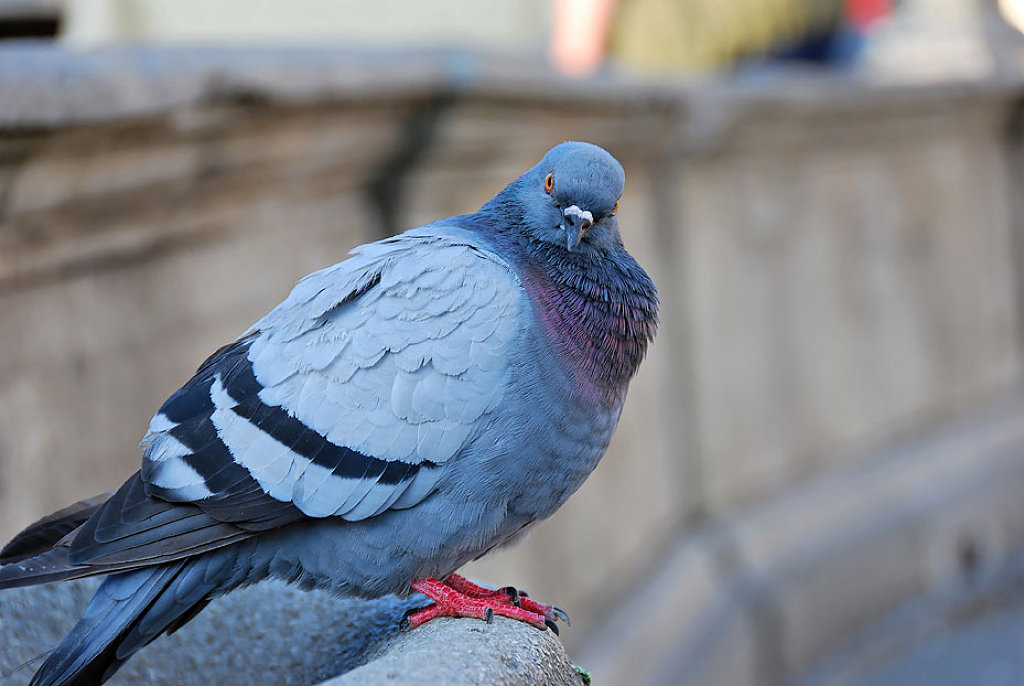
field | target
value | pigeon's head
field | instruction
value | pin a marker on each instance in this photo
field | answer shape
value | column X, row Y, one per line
column 571, row 196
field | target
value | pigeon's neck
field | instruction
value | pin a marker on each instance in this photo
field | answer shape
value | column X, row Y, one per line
column 599, row 311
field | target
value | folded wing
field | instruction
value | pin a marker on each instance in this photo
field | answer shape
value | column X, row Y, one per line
column 346, row 400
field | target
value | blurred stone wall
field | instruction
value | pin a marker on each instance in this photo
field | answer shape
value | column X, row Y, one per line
column 847, row 273
column 836, row 261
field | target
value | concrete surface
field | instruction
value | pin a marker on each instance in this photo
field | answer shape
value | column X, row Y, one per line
column 273, row 634
column 982, row 652
column 971, row 635
column 452, row 651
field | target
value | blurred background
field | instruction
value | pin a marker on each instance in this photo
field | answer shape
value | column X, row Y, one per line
column 819, row 476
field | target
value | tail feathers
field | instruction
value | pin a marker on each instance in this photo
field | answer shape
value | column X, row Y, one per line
column 47, row 532
column 103, row 535
column 52, row 565
column 129, row 610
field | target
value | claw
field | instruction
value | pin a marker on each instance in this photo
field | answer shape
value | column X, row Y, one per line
column 405, row 622
column 513, row 595
column 551, row 625
column 561, row 614
column 490, row 615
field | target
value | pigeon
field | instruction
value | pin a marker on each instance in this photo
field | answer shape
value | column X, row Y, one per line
column 398, row 415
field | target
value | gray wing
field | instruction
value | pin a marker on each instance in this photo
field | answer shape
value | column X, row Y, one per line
column 345, row 400
column 348, row 398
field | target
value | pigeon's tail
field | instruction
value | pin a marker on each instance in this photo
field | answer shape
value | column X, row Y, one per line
column 52, row 565
column 43, row 535
column 36, row 556
column 112, row 533
column 129, row 610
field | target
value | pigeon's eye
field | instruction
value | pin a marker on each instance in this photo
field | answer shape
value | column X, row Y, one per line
column 549, row 182
column 615, row 209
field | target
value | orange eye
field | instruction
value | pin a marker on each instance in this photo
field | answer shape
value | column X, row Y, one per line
column 549, row 182
column 616, row 208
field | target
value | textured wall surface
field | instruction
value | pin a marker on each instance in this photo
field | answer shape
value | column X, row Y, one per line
column 837, row 263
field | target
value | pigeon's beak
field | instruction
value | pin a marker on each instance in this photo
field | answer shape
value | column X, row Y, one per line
column 577, row 223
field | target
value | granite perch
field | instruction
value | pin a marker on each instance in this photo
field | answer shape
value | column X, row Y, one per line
column 398, row 415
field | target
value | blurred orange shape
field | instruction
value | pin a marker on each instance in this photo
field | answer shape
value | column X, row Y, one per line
column 579, row 36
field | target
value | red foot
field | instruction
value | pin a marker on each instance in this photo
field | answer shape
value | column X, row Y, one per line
column 456, row 596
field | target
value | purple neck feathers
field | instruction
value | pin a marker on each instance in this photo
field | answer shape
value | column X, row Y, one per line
column 598, row 309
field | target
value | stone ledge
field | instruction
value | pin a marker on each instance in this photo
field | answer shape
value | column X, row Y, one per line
column 274, row 634
column 43, row 86
column 459, row 651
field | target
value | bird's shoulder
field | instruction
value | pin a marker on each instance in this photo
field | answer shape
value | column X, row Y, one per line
column 421, row 263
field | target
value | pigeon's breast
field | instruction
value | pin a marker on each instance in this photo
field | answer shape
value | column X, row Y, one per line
column 598, row 320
